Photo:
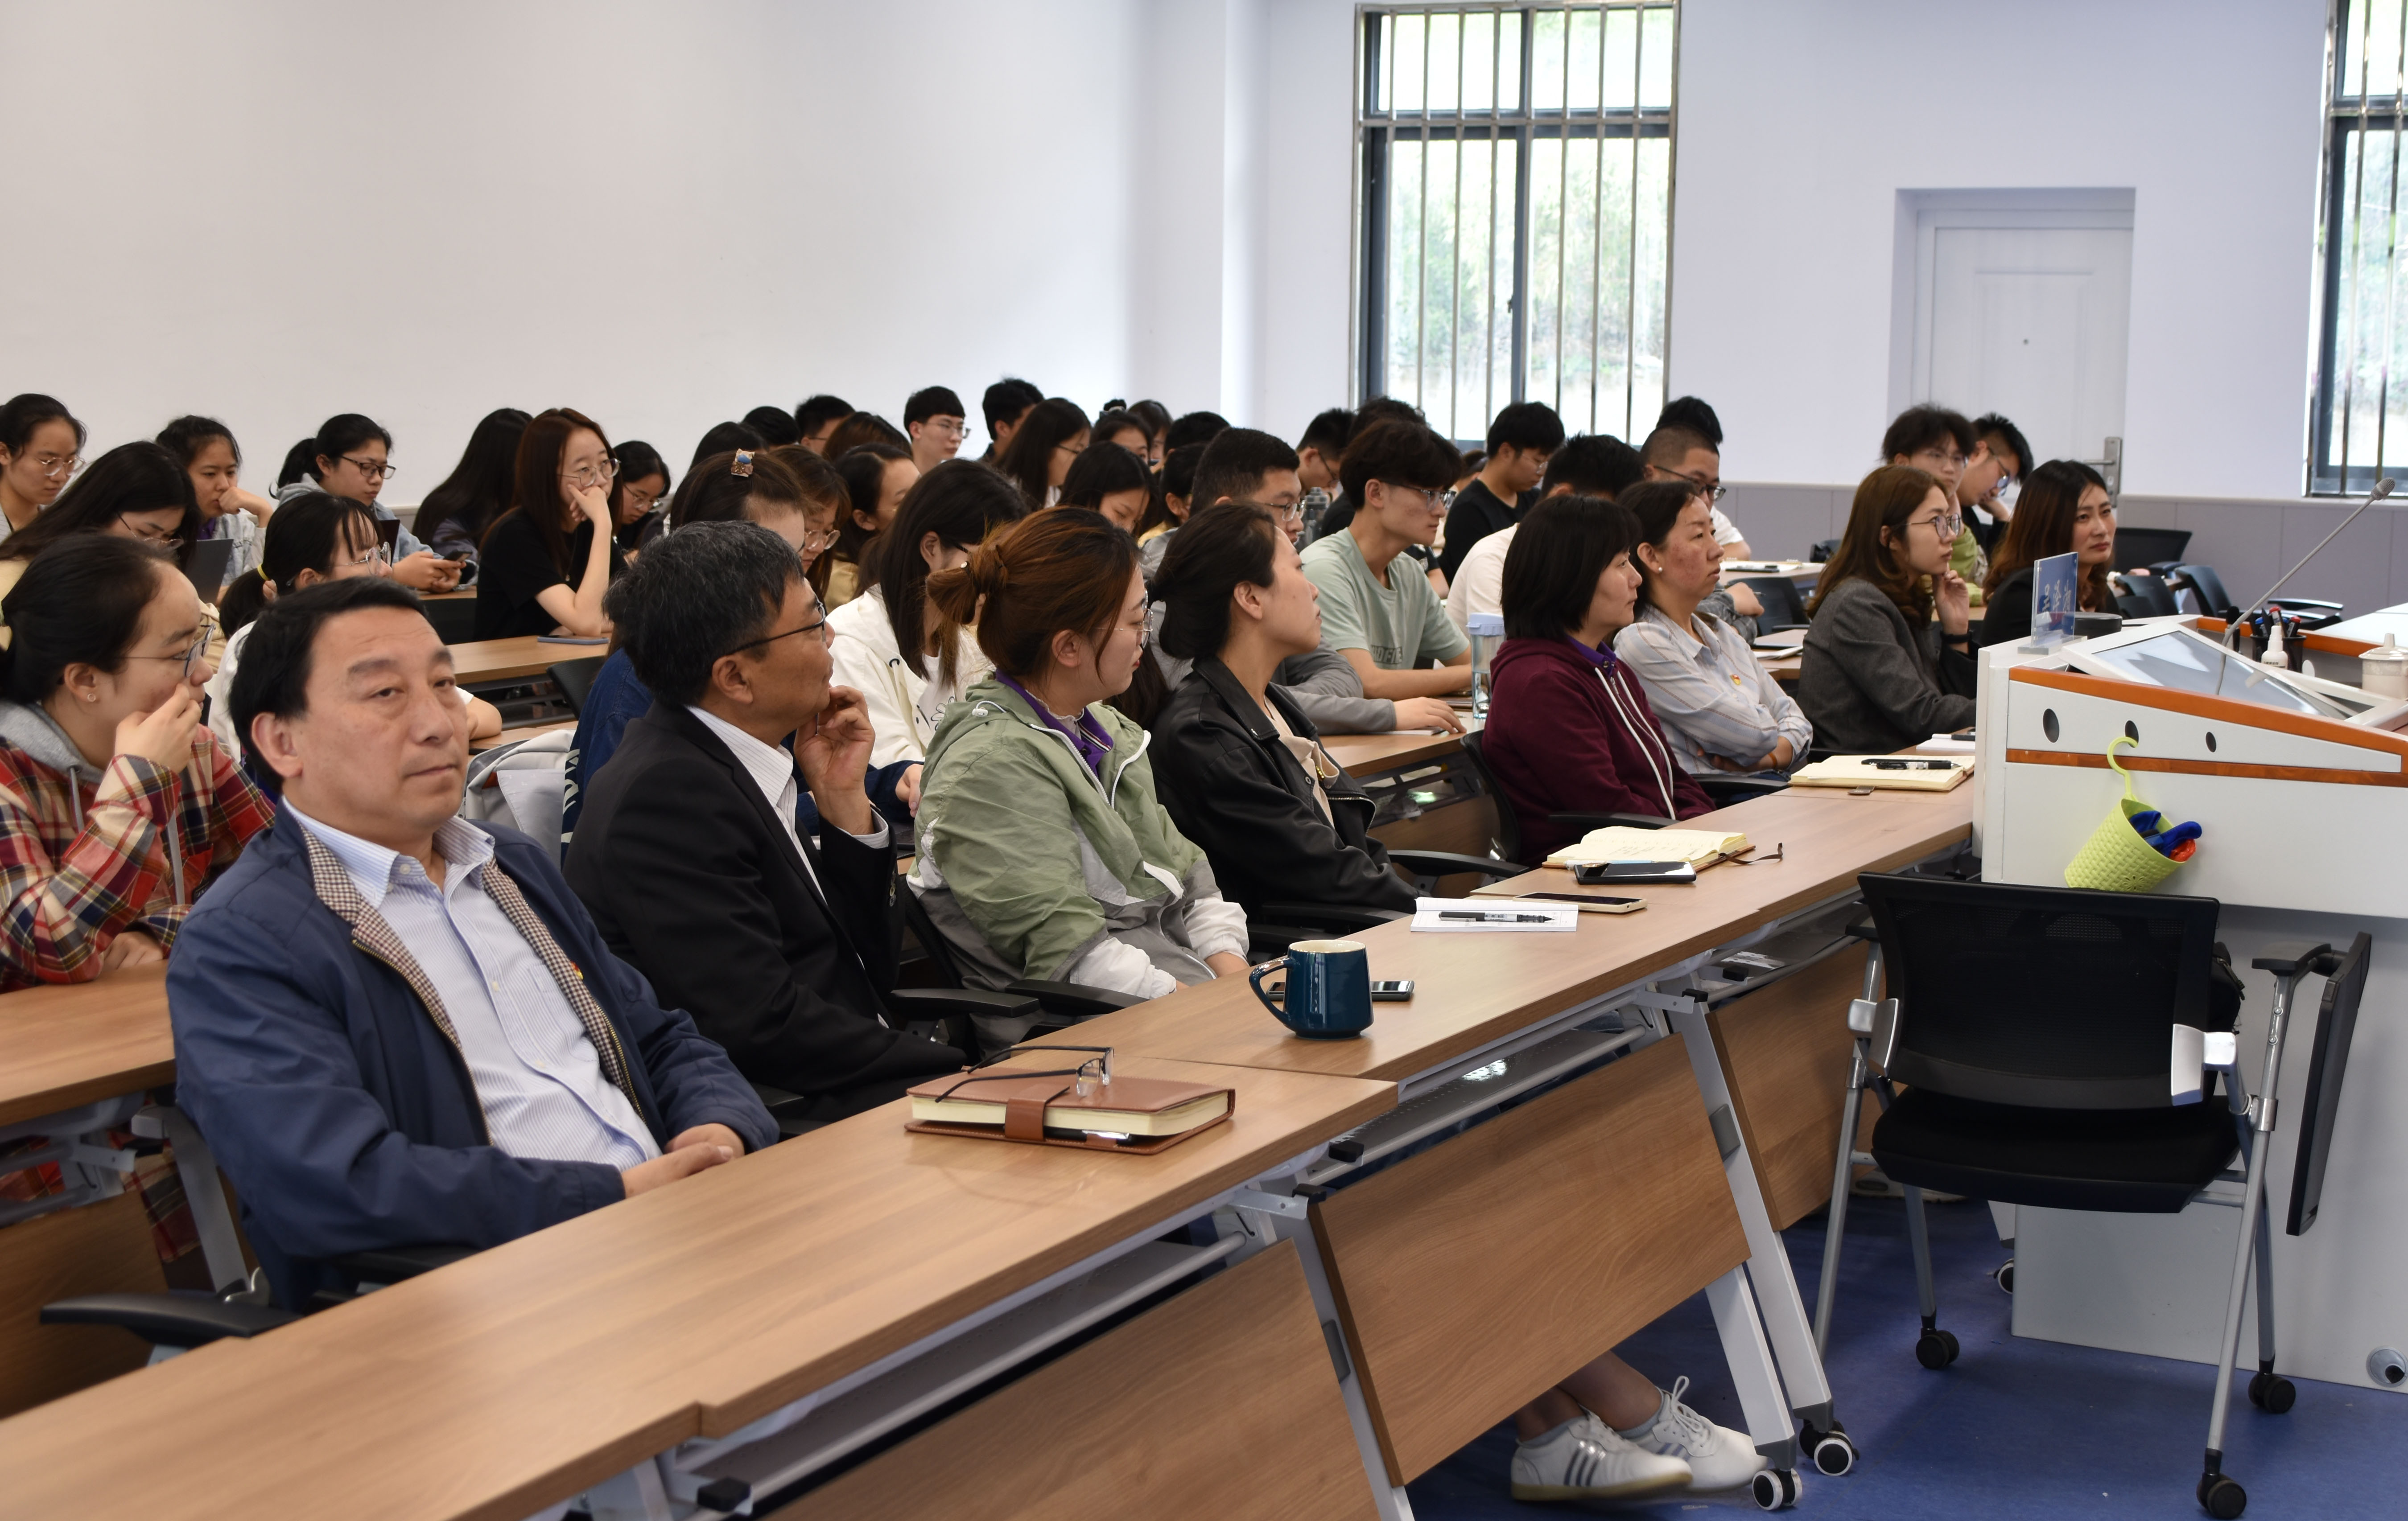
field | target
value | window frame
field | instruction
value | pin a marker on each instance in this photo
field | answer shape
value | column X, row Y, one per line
column 1377, row 132
column 2349, row 114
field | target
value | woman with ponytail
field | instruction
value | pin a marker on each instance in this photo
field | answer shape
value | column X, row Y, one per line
column 116, row 805
column 313, row 537
column 1043, row 851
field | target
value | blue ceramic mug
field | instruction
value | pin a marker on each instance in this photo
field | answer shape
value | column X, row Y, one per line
column 1328, row 989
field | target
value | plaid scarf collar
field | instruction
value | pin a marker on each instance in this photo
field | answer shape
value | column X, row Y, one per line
column 371, row 933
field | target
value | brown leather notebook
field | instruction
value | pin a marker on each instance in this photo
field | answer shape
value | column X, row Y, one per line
column 1142, row 1115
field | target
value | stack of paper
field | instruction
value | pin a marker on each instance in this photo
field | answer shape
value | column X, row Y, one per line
column 1622, row 842
column 1453, row 915
column 1889, row 773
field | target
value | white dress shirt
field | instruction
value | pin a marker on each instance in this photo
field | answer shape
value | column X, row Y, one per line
column 537, row 1075
column 772, row 770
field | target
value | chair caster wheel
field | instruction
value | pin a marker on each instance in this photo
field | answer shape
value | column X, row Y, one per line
column 1833, row 1453
column 1936, row 1349
column 1778, row 1488
column 2005, row 1274
column 2271, row 1393
column 2221, row 1498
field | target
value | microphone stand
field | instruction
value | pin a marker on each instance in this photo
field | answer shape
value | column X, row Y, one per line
column 2232, row 630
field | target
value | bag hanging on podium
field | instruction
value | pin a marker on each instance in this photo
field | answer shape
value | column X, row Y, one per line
column 2121, row 854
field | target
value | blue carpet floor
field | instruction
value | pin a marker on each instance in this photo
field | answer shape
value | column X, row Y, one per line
column 2016, row 1429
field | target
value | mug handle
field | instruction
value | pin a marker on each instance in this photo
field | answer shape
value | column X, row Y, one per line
column 1254, row 980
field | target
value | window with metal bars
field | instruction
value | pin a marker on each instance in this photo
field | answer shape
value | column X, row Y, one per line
column 2359, row 429
column 1518, row 210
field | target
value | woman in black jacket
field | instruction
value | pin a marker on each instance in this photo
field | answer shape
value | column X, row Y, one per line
column 1235, row 760
column 2063, row 507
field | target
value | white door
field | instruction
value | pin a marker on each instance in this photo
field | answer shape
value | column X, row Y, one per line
column 2028, row 320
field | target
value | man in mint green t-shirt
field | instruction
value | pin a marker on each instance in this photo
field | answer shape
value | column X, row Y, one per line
column 1377, row 607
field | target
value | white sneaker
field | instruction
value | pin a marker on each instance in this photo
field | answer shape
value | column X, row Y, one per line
column 1585, row 1458
column 1718, row 1458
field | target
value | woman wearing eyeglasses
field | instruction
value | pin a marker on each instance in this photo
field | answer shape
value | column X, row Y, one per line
column 1888, row 659
column 134, row 491
column 41, row 445
column 546, row 563
column 1043, row 445
column 313, row 537
column 352, row 456
column 116, row 803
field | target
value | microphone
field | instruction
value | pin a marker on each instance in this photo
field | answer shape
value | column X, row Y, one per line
column 2232, row 630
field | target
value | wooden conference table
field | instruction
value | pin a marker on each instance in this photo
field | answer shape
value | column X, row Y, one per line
column 539, row 1369
column 1451, row 1334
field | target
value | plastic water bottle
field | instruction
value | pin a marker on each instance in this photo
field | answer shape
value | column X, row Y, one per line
column 1485, row 629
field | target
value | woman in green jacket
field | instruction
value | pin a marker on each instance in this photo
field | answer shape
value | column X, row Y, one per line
column 1042, row 850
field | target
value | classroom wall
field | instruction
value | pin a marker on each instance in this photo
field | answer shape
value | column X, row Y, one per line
column 662, row 215
column 1801, row 123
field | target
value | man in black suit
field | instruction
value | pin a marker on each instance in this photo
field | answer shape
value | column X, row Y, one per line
column 687, row 853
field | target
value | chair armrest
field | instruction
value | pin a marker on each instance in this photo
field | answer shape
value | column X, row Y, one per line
column 178, row 1320
column 1734, row 789
column 2289, row 957
column 1448, row 862
column 936, row 1003
column 392, row 1264
column 1585, row 822
column 1074, row 999
column 1329, row 915
column 2307, row 602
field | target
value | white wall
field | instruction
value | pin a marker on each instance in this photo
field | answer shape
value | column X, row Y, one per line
column 660, row 214
column 1800, row 123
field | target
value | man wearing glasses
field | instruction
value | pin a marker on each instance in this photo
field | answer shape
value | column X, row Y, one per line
column 937, row 423
column 687, row 852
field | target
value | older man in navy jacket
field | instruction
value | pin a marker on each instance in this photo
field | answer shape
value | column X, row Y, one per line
column 394, row 1027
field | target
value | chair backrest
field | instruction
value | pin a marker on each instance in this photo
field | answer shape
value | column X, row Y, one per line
column 574, row 679
column 931, row 939
column 2052, row 998
column 2205, row 586
column 2148, row 546
column 2336, row 1020
column 523, row 784
column 2149, row 597
column 454, row 617
column 1507, row 844
column 1782, row 607
column 1822, row 551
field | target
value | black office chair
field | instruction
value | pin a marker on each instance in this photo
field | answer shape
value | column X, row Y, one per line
column 186, row 1319
column 1782, row 607
column 2139, row 547
column 1276, row 926
column 574, row 679
column 454, row 617
column 1057, row 1005
column 1822, row 551
column 2147, row 596
column 2030, row 1030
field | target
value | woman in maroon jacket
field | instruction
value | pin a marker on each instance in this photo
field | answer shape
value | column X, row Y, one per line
column 1569, row 726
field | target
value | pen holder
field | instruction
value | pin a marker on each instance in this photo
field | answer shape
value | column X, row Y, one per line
column 2116, row 858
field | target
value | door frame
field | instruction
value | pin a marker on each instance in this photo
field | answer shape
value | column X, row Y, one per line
column 1921, row 213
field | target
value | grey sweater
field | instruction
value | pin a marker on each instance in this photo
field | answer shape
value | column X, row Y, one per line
column 1871, row 684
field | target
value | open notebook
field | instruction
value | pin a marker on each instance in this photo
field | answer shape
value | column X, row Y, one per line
column 1622, row 842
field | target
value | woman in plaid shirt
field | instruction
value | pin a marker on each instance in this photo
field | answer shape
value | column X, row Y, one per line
column 116, row 802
